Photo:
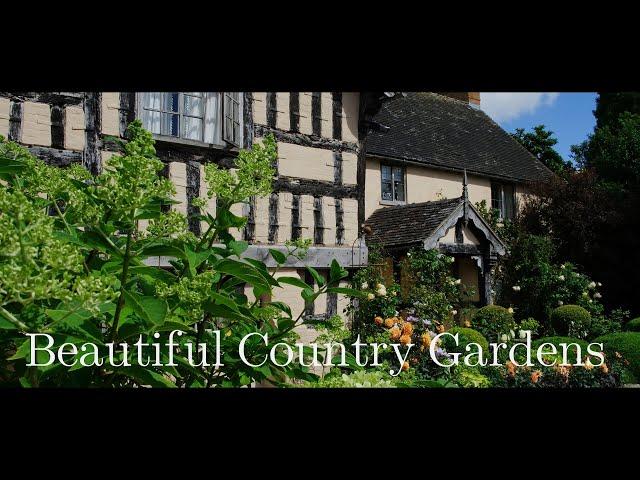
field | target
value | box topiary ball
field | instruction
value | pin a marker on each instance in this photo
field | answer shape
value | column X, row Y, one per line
column 493, row 321
column 571, row 320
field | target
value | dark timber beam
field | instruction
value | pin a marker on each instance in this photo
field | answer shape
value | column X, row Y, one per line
column 305, row 186
column 56, row 157
column 92, row 160
column 15, row 121
column 307, row 140
column 52, row 98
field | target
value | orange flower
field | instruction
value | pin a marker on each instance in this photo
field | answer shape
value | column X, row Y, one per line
column 395, row 333
column 378, row 320
column 511, row 368
column 407, row 329
column 467, row 324
column 405, row 339
column 440, row 328
column 535, row 376
column 604, row 368
column 389, row 322
column 426, row 339
column 405, row 366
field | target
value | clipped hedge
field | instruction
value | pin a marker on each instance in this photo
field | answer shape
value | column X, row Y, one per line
column 465, row 337
column 571, row 354
column 492, row 321
column 625, row 343
column 633, row 325
column 571, row 320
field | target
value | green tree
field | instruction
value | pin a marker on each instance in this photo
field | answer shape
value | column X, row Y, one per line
column 609, row 106
column 540, row 143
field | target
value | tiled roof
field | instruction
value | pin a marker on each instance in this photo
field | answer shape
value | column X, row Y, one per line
column 443, row 132
column 409, row 224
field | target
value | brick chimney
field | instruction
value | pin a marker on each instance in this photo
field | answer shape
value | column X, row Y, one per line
column 472, row 98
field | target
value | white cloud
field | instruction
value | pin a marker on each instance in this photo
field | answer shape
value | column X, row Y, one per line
column 503, row 106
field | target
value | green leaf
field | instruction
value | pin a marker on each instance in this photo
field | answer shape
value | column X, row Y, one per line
column 316, row 276
column 243, row 271
column 336, row 273
column 283, row 307
column 152, row 309
column 6, row 324
column 238, row 247
column 195, row 259
column 155, row 272
column 278, row 256
column 145, row 376
column 296, row 282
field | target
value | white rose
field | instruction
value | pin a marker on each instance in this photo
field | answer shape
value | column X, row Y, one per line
column 381, row 291
column 599, row 284
column 364, row 286
column 504, row 338
column 516, row 288
column 458, row 281
column 560, row 302
column 592, row 285
column 597, row 295
column 510, row 310
column 454, row 312
column 562, row 266
column 371, row 296
column 561, row 278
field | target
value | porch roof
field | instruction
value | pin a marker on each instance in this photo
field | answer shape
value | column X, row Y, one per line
column 426, row 223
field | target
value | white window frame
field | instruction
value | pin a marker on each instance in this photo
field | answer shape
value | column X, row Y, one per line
column 393, row 201
column 221, row 138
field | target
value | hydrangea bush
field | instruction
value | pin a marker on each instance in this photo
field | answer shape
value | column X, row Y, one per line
column 72, row 265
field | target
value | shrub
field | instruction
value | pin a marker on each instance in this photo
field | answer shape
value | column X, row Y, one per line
column 465, row 337
column 626, row 344
column 470, row 377
column 571, row 354
column 530, row 324
column 571, row 320
column 633, row 325
column 492, row 321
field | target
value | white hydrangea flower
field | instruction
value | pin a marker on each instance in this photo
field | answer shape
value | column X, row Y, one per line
column 381, row 290
column 561, row 278
column 516, row 288
column 592, row 285
column 597, row 295
column 364, row 286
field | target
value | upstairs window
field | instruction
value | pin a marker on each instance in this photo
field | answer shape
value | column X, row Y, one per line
column 503, row 199
column 194, row 116
column 393, row 185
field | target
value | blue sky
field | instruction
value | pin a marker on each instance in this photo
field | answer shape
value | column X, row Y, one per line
column 568, row 115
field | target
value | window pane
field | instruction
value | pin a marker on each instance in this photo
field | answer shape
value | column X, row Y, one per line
column 192, row 128
column 509, row 202
column 236, row 132
column 399, row 191
column 386, row 191
column 151, row 121
column 213, row 123
column 170, row 124
column 193, row 106
column 171, row 100
column 151, row 100
column 496, row 196
column 386, row 173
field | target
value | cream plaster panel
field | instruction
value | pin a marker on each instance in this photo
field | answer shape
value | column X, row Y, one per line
column 283, row 118
column 111, row 113
column 36, row 124
column 74, row 134
column 5, row 113
column 305, row 162
column 260, row 108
